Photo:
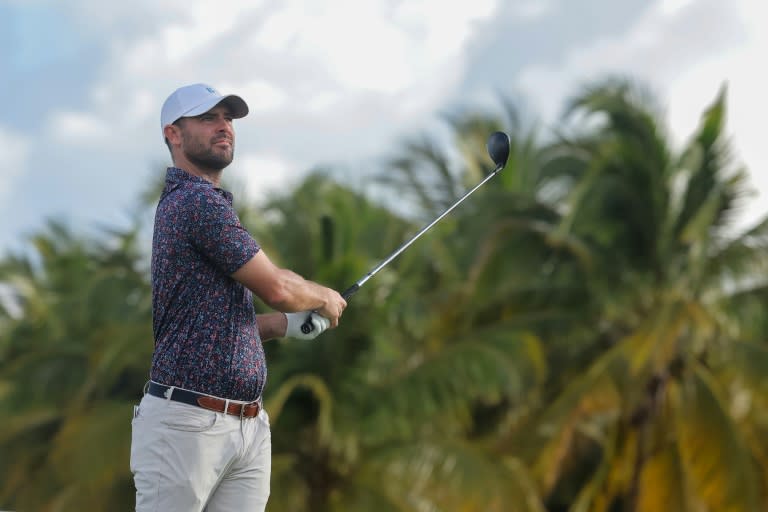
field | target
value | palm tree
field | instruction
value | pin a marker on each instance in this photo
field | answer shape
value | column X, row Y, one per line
column 650, row 422
column 474, row 361
column 73, row 358
column 587, row 333
column 380, row 396
column 313, row 230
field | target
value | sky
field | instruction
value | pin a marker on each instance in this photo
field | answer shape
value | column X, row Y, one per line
column 336, row 83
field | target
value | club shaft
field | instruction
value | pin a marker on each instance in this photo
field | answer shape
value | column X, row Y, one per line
column 352, row 289
column 308, row 327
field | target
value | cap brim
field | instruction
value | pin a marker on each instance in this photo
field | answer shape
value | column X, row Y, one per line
column 237, row 106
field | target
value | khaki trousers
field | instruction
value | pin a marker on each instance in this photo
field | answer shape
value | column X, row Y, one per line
column 189, row 459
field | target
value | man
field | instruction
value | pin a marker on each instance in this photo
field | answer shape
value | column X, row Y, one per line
column 201, row 439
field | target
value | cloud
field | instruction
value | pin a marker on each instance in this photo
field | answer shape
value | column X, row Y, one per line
column 77, row 127
column 671, row 37
column 262, row 95
column 296, row 51
column 747, row 108
column 531, row 10
column 263, row 174
column 338, row 83
column 377, row 46
column 685, row 50
column 326, row 81
column 13, row 154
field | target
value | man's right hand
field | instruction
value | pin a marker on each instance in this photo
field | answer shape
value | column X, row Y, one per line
column 334, row 306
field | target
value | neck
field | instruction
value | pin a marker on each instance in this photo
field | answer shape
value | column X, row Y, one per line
column 211, row 175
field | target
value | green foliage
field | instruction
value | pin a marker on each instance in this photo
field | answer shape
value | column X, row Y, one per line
column 73, row 361
column 586, row 334
column 669, row 277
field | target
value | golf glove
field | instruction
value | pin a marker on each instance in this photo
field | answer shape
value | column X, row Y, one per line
column 293, row 330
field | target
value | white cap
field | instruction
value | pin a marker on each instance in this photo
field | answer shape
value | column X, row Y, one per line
column 193, row 100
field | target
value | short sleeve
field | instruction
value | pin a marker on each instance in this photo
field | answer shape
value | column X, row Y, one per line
column 216, row 232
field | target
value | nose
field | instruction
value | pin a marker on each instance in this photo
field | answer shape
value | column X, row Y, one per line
column 225, row 126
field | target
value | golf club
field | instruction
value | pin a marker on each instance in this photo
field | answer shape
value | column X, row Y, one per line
column 498, row 150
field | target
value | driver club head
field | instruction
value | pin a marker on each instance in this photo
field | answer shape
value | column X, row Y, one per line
column 498, row 148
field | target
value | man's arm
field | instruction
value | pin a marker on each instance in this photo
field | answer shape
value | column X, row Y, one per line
column 286, row 291
column 271, row 325
column 281, row 325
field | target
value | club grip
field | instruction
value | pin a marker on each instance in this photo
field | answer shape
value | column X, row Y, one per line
column 350, row 291
column 307, row 327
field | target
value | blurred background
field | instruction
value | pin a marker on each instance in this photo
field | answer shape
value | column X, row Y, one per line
column 585, row 333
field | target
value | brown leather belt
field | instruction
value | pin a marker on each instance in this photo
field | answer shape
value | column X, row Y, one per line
column 249, row 410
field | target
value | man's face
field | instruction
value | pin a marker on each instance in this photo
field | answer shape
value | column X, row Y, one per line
column 208, row 140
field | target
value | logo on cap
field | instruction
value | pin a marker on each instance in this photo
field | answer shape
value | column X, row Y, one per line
column 211, row 90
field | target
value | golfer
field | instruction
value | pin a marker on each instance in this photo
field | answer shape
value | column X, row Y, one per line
column 200, row 435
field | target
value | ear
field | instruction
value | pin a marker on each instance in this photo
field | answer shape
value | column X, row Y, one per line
column 172, row 132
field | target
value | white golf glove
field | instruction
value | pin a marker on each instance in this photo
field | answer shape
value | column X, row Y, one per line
column 293, row 330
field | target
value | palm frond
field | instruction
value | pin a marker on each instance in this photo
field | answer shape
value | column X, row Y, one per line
column 715, row 460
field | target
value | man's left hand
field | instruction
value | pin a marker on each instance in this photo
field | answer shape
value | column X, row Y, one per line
column 295, row 320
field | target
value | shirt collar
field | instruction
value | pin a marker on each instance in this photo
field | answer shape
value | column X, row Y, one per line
column 176, row 176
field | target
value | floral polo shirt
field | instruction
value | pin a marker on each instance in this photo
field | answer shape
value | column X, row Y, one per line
column 206, row 337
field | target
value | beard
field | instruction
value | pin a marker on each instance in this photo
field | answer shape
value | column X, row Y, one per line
column 208, row 156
